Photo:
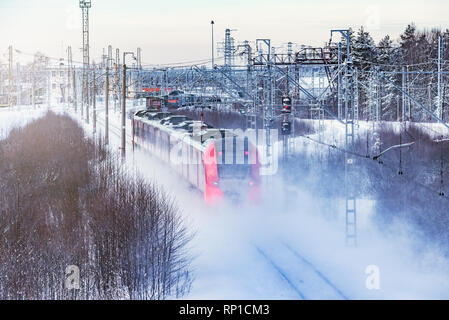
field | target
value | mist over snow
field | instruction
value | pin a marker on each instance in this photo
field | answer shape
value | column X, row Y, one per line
column 291, row 246
column 229, row 239
column 18, row 117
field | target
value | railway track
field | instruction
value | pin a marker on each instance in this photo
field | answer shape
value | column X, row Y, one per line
column 300, row 275
column 116, row 130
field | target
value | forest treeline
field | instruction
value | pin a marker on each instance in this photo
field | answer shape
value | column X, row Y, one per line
column 66, row 201
column 415, row 50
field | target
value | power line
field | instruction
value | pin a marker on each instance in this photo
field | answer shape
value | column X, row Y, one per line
column 368, row 157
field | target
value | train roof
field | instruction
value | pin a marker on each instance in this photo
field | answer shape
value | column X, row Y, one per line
column 200, row 138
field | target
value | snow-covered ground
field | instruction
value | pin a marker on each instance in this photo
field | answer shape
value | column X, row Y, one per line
column 334, row 131
column 18, row 117
column 289, row 251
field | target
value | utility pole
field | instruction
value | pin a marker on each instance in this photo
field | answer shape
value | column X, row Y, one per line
column 378, row 96
column 49, row 88
column 213, row 52
column 75, row 102
column 355, row 90
column 33, row 83
column 165, row 82
column 87, row 96
column 138, row 85
column 404, row 97
column 69, row 67
column 18, row 85
column 106, row 101
column 10, row 76
column 94, row 97
column 106, row 120
column 85, row 5
column 118, row 91
column 409, row 101
column 124, row 109
column 123, row 148
column 340, row 85
column 398, row 115
column 117, row 79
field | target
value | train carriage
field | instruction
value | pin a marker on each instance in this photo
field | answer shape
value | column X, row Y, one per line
column 219, row 163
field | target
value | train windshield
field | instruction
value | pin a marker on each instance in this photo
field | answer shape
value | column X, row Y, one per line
column 234, row 171
column 233, row 160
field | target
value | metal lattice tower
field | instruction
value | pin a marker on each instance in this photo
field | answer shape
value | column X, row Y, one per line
column 117, row 81
column 351, row 116
column 139, row 74
column 85, row 5
column 229, row 48
column 251, row 112
column 404, row 95
column 356, row 96
column 340, row 85
column 350, row 174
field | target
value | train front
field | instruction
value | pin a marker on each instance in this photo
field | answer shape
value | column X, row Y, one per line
column 233, row 173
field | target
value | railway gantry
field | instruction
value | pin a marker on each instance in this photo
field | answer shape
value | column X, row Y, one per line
column 261, row 82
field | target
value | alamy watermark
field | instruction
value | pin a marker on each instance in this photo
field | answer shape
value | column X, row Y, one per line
column 262, row 147
column 372, row 21
column 372, row 281
column 72, row 277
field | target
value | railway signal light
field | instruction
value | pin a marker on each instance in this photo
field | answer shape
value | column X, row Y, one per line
column 85, row 3
column 286, row 128
column 286, row 104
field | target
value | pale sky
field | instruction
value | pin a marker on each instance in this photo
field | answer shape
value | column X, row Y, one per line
column 178, row 31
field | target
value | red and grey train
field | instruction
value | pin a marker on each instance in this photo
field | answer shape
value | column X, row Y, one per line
column 217, row 162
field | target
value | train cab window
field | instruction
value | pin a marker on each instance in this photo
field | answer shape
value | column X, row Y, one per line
column 234, row 171
column 140, row 113
column 234, row 162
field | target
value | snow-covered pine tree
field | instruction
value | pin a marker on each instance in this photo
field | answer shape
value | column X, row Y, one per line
column 408, row 44
column 351, row 42
column 388, row 58
column 363, row 54
column 414, row 52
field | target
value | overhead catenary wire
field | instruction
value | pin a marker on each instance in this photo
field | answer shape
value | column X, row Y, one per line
column 404, row 175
